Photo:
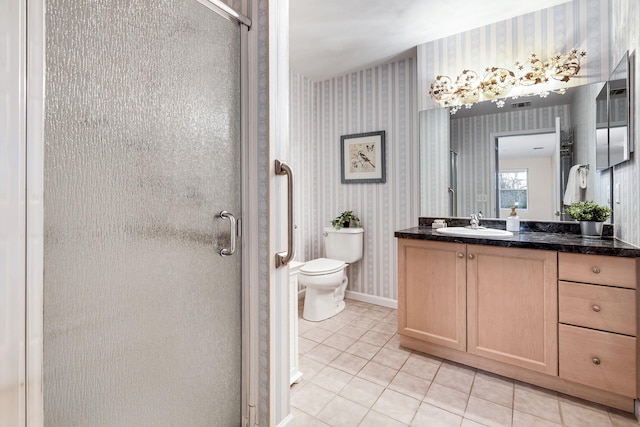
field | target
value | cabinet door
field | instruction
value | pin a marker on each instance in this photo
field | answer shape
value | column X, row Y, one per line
column 432, row 292
column 513, row 306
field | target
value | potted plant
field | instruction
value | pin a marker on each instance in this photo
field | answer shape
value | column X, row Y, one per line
column 591, row 217
column 345, row 220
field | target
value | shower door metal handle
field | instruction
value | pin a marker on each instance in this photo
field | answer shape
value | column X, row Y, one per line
column 233, row 232
column 283, row 169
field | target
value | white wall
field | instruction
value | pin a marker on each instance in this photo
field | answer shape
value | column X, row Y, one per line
column 540, row 180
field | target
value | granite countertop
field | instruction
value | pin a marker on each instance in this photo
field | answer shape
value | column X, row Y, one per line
column 553, row 236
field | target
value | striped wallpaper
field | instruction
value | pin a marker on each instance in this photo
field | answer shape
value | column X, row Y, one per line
column 625, row 35
column 581, row 24
column 379, row 98
column 387, row 98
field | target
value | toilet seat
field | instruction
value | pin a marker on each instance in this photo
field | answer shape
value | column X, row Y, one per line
column 322, row 266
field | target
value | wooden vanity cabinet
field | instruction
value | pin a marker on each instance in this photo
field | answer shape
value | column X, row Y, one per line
column 432, row 292
column 512, row 306
column 598, row 321
column 564, row 321
column 499, row 303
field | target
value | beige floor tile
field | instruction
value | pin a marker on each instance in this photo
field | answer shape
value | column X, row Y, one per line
column 339, row 342
column 577, row 415
column 363, row 349
column 466, row 422
column 429, row 415
column 316, row 334
column 391, row 318
column 311, row 399
column 302, row 419
column 391, row 358
column 522, row 419
column 538, row 402
column 349, row 363
column 374, row 314
column 493, row 388
column 385, row 328
column 304, row 325
column 394, row 343
column 455, row 376
column 305, row 345
column 354, row 332
column 623, row 419
column 420, row 367
column 362, row 391
column 397, row 406
column 346, row 316
column 488, row 413
column 333, row 324
column 332, row 379
column 323, row 354
column 447, row 398
column 309, row 367
column 377, row 373
column 376, row 338
column 364, row 322
column 376, row 419
column 410, row 385
column 341, row 412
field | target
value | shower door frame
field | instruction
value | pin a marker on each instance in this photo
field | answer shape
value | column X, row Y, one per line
column 31, row 17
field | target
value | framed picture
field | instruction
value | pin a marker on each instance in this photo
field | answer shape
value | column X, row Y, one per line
column 362, row 157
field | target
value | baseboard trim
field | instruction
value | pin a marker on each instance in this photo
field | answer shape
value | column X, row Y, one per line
column 372, row 299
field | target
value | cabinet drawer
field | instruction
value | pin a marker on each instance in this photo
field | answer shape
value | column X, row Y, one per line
column 598, row 307
column 599, row 269
column 598, row 359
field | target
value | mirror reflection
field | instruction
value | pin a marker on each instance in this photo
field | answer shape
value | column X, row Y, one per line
column 520, row 155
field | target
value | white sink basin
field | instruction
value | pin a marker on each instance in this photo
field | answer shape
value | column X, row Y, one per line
column 488, row 233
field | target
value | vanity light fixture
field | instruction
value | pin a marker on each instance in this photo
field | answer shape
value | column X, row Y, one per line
column 498, row 83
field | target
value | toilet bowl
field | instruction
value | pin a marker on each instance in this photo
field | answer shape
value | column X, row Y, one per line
column 326, row 278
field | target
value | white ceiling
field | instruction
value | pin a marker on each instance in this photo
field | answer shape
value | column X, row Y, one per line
column 527, row 146
column 329, row 38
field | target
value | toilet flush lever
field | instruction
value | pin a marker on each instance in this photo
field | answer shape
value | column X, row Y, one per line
column 234, row 231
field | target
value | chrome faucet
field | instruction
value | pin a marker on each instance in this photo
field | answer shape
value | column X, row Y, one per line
column 475, row 220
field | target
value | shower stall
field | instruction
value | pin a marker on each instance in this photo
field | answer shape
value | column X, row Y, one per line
column 143, row 125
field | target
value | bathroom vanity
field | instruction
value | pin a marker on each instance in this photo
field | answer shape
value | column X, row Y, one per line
column 545, row 306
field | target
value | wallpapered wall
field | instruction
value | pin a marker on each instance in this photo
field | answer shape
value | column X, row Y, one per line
column 625, row 35
column 379, row 98
column 322, row 111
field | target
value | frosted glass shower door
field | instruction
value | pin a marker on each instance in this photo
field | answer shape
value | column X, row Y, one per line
column 142, row 316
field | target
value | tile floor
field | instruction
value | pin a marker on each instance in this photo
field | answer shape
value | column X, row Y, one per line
column 356, row 374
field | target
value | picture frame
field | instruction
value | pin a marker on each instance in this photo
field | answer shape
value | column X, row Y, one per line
column 362, row 158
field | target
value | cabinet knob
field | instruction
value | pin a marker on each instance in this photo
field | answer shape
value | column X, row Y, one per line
column 596, row 308
column 460, row 255
column 595, row 361
column 470, row 256
column 596, row 270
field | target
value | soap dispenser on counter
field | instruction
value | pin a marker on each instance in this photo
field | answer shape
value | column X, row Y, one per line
column 513, row 220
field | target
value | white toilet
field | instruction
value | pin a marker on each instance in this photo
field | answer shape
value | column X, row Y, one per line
column 326, row 278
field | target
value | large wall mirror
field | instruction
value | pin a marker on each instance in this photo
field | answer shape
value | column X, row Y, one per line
column 521, row 153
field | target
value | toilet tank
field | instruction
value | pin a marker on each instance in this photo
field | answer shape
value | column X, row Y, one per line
column 344, row 244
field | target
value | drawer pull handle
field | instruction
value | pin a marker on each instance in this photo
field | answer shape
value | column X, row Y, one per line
column 596, row 270
column 470, row 256
column 460, row 255
column 596, row 308
column 595, row 361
